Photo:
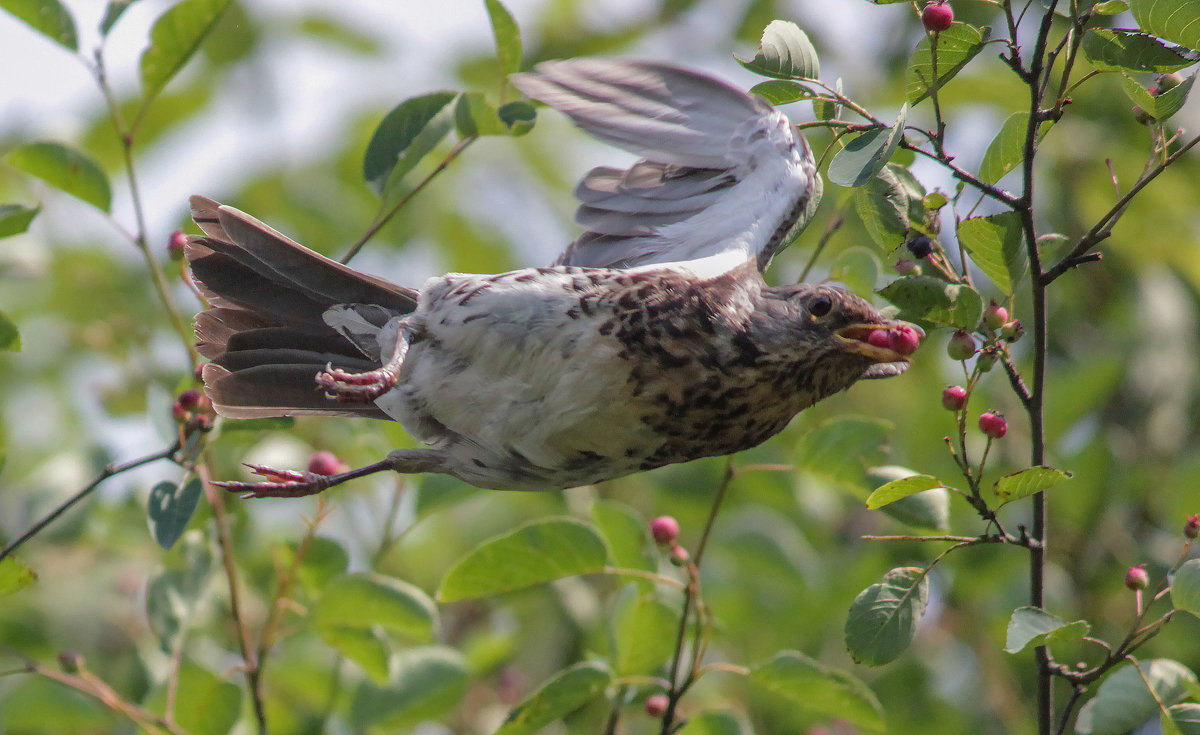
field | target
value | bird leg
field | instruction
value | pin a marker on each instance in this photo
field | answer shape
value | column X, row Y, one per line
column 292, row 484
column 365, row 387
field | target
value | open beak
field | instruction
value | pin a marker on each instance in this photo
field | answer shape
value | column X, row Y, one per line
column 854, row 339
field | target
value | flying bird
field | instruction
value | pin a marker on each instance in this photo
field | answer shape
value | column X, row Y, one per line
column 652, row 340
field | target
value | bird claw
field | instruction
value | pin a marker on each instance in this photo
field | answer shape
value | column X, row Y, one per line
column 347, row 387
column 279, row 484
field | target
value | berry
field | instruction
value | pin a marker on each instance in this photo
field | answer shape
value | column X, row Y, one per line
column 878, row 338
column 995, row 316
column 954, row 397
column 175, row 244
column 1012, row 331
column 906, row 267
column 326, row 463
column 1191, row 529
column 937, row 16
column 961, row 345
column 987, row 360
column 657, row 704
column 189, row 399
column 920, row 246
column 664, row 529
column 70, row 661
column 179, row 413
column 1137, row 578
column 904, row 338
column 1140, row 114
column 993, row 424
column 679, row 555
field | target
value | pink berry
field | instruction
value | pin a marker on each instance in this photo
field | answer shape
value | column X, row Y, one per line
column 176, row 244
column 904, row 338
column 937, row 16
column 1012, row 331
column 878, row 338
column 326, row 463
column 993, row 424
column 961, row 345
column 664, row 529
column 995, row 316
column 906, row 267
column 189, row 399
column 679, row 555
column 954, row 397
column 1191, row 529
column 656, row 705
column 1137, row 578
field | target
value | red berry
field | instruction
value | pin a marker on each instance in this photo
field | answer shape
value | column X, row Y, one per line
column 1191, row 529
column 326, row 463
column 657, row 704
column 954, row 397
column 1137, row 578
column 937, row 16
column 176, row 244
column 993, row 424
column 961, row 345
column 679, row 555
column 189, row 399
column 664, row 529
column 878, row 338
column 904, row 338
column 995, row 316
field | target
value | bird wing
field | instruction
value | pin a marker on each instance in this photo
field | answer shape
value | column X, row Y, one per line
column 723, row 177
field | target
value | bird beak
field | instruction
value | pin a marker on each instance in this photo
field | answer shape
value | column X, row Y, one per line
column 854, row 339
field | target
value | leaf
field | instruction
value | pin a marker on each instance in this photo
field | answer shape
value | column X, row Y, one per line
column 644, row 631
column 1028, row 482
column 170, row 508
column 956, row 46
column 996, row 245
column 564, row 693
column 839, row 448
column 1185, row 587
column 784, row 53
column 1030, row 626
column 10, row 338
column 932, row 299
column 518, row 116
column 428, row 683
column 882, row 205
column 626, row 532
column 112, row 13
column 865, row 155
column 209, row 705
column 884, row 616
column 323, row 560
column 1006, row 150
column 1175, row 20
column 713, row 723
column 14, row 576
column 857, row 267
column 1118, row 49
column 928, row 508
column 1185, row 718
column 365, row 600
column 15, row 218
column 902, row 488
column 367, row 647
column 782, row 91
column 1123, row 702
column 535, row 553
column 1164, row 105
column 474, row 115
column 48, row 17
column 174, row 39
column 829, row 109
column 1111, row 7
column 65, row 169
column 813, row 687
column 507, row 35
column 406, row 135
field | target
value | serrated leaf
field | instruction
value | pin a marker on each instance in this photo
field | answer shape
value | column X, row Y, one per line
column 1177, row 21
column 1185, row 587
column 782, row 91
column 14, row 576
column 883, row 206
column 1120, row 49
column 1006, row 150
column 932, row 299
column 170, row 508
column 406, row 135
column 902, row 488
column 1030, row 626
column 865, row 155
column 65, row 169
column 174, row 39
column 1028, row 482
column 364, row 601
column 213, row 704
column 884, row 617
column 813, row 687
column 713, row 723
column 112, row 13
column 427, row 684
column 1123, row 702
column 15, row 218
column 10, row 338
column 48, row 17
column 507, row 35
column 956, row 46
column 565, row 692
column 784, row 53
column 644, row 631
column 535, row 553
column 1184, row 717
column 996, row 246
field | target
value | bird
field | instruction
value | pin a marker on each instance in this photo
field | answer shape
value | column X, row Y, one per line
column 653, row 339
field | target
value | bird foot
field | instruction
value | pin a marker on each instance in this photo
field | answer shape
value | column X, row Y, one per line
column 281, row 483
column 347, row 387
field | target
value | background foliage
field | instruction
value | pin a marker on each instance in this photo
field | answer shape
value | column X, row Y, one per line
column 333, row 600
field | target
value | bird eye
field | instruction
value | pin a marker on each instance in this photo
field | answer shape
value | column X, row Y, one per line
column 820, row 305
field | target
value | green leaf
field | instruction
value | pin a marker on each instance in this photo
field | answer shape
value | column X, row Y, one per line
column 172, row 595
column 14, row 576
column 1177, row 21
column 65, row 169
column 839, row 448
column 174, row 39
column 865, row 155
column 406, row 135
column 827, row 108
column 1028, row 482
column 644, row 630
column 507, row 35
column 1123, row 702
column 1164, row 105
column 15, row 218
column 518, row 116
column 956, row 46
column 208, row 704
column 714, row 723
column 996, row 245
column 932, row 299
column 474, row 115
column 813, row 687
column 1117, row 49
column 365, row 600
column 782, row 91
column 10, row 338
column 784, row 53
column 1111, row 7
column 1184, row 717
column 1006, row 150
column 928, row 508
column 112, row 13
column 535, row 553
column 884, row 616
column 883, row 207
column 48, row 17
column 1185, row 587
column 323, row 560
column 626, row 532
column 857, row 267
column 170, row 508
column 367, row 647
column 428, row 683
column 1030, row 626
column 902, row 488
column 564, row 693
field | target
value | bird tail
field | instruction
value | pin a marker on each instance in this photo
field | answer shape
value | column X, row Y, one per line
column 278, row 315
